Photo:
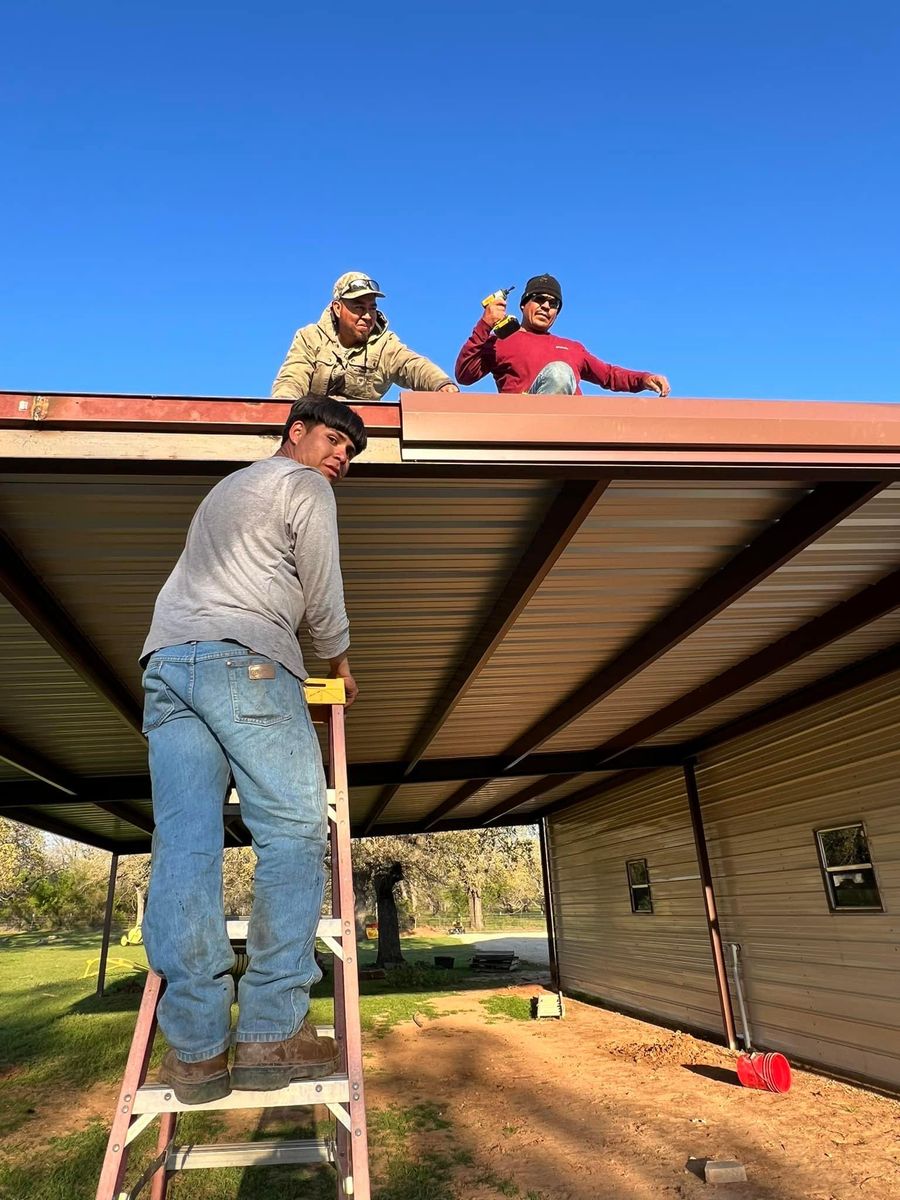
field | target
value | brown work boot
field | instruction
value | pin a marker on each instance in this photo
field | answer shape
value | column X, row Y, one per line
column 264, row 1066
column 196, row 1082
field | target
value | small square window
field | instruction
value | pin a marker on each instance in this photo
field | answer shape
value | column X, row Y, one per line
column 847, row 867
column 639, row 885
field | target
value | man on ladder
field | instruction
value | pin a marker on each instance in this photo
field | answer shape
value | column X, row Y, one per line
column 224, row 699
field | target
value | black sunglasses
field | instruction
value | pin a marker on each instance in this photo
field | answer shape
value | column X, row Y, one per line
column 550, row 301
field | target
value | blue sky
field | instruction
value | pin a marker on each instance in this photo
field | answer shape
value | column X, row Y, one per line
column 717, row 185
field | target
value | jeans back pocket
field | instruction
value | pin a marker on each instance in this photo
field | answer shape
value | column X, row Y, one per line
column 262, row 692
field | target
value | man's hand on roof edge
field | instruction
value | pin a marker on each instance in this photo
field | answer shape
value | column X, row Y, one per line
column 448, row 387
column 658, row 384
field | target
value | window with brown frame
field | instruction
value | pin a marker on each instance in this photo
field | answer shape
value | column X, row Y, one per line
column 850, row 882
column 639, row 885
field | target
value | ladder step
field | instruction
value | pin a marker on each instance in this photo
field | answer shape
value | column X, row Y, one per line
column 249, row 1154
column 327, row 927
column 334, row 1089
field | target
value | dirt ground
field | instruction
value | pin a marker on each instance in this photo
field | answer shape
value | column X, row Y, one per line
column 600, row 1106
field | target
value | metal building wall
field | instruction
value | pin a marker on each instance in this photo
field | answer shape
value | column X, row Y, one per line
column 822, row 986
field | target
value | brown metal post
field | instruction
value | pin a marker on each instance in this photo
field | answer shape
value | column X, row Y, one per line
column 709, row 896
column 548, row 903
column 107, row 924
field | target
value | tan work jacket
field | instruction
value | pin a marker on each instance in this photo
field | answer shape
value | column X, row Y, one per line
column 318, row 363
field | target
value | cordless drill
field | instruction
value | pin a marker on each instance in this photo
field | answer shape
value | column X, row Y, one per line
column 508, row 324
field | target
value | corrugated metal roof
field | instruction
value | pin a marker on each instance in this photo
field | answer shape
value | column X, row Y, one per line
column 439, row 560
column 641, row 551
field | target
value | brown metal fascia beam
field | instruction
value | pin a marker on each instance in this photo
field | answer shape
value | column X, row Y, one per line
column 45, row 615
column 818, row 511
column 39, row 820
column 31, row 763
column 574, row 502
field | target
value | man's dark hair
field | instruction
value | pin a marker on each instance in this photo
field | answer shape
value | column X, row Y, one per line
column 320, row 410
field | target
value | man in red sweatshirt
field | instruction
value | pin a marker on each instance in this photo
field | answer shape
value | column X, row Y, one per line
column 534, row 360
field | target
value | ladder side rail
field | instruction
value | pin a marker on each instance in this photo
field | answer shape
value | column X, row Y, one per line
column 160, row 1185
column 343, row 1162
column 345, row 969
column 116, row 1157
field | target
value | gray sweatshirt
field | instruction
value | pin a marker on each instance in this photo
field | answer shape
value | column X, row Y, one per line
column 261, row 558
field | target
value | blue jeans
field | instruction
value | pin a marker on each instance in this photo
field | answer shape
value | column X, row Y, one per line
column 213, row 710
column 556, row 379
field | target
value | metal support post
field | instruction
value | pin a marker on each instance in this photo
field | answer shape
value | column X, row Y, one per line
column 107, row 924
column 548, row 903
column 709, row 896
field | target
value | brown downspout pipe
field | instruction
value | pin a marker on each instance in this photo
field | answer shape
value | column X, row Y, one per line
column 107, row 923
column 712, row 916
column 548, row 904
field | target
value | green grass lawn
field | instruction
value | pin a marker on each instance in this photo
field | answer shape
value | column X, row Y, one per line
column 58, row 1041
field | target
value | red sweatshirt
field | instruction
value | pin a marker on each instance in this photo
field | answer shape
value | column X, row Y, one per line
column 515, row 361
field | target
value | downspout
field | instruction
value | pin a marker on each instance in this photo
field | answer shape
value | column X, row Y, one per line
column 709, row 896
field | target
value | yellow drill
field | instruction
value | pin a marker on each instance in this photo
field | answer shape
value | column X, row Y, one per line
column 508, row 324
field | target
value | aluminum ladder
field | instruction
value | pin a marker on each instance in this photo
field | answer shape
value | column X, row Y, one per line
column 140, row 1103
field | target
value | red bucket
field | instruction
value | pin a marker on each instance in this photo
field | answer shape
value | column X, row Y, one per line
column 765, row 1072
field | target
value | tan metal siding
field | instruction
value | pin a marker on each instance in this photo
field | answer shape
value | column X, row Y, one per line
column 821, row 986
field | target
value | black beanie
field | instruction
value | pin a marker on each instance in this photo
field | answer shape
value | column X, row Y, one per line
column 545, row 284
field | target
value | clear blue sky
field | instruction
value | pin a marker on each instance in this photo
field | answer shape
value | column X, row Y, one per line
column 716, row 184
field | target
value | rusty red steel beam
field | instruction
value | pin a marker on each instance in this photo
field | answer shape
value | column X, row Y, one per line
column 472, row 427
column 170, row 413
column 570, row 508
column 817, row 512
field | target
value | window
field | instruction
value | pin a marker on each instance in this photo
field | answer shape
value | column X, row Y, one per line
column 847, row 866
column 639, row 885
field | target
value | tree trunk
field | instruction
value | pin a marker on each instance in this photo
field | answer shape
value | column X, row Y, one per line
column 389, row 953
column 476, row 917
column 360, row 905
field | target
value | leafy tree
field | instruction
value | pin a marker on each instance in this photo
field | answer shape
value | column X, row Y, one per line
column 22, row 863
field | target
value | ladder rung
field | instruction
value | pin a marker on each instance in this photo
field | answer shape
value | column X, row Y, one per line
column 158, row 1098
column 327, row 927
column 248, row 1154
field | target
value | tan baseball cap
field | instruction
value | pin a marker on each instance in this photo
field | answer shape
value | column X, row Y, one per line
column 355, row 283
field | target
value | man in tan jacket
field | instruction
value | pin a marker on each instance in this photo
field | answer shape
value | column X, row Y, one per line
column 351, row 355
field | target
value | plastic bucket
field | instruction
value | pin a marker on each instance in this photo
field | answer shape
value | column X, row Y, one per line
column 764, row 1072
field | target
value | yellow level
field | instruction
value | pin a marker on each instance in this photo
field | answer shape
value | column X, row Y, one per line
column 324, row 691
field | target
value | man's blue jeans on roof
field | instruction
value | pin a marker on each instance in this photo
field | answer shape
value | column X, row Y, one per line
column 213, row 710
column 556, row 379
